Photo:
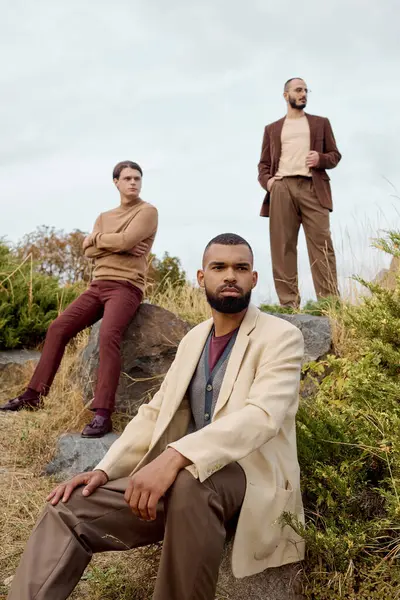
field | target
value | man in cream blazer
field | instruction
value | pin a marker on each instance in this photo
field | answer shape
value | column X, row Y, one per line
column 216, row 445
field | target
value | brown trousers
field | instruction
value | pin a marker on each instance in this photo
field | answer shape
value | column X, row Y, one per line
column 191, row 519
column 114, row 301
column 294, row 203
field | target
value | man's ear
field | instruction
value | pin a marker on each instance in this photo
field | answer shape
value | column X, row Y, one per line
column 115, row 180
column 200, row 278
column 255, row 279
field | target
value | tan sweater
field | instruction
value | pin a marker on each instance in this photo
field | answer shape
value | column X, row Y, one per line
column 115, row 234
column 295, row 140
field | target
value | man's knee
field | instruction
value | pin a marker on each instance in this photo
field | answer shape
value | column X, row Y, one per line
column 185, row 492
column 58, row 329
column 110, row 337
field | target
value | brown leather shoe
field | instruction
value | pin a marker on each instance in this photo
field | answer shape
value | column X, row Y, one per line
column 98, row 427
column 20, row 403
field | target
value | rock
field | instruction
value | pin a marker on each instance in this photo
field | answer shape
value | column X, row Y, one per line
column 316, row 332
column 15, row 367
column 148, row 349
column 76, row 454
column 387, row 277
column 281, row 583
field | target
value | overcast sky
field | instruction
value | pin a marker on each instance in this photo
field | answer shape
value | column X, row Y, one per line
column 185, row 89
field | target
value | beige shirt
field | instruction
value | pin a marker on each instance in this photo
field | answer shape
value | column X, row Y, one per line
column 295, row 141
column 115, row 234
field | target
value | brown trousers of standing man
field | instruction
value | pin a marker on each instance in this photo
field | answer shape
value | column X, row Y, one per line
column 299, row 200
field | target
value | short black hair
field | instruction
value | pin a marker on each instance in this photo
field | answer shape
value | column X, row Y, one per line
column 125, row 164
column 228, row 239
column 285, row 87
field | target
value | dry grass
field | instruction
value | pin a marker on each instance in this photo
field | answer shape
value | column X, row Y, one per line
column 188, row 302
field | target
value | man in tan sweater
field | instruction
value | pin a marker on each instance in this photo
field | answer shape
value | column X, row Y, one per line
column 296, row 151
column 119, row 245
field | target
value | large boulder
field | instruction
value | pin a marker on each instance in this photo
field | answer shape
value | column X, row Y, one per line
column 148, row 349
column 280, row 583
column 75, row 454
column 316, row 332
column 15, row 367
column 387, row 278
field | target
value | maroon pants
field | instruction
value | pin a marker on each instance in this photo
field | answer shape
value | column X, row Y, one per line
column 114, row 301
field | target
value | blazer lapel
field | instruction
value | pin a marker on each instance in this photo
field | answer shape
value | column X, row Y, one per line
column 236, row 357
column 313, row 130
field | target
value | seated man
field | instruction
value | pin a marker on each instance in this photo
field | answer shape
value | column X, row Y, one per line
column 119, row 244
column 216, row 443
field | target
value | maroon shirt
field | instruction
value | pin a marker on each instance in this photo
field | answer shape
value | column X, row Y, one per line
column 217, row 346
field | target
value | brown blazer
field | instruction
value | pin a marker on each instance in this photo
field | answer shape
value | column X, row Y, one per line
column 322, row 141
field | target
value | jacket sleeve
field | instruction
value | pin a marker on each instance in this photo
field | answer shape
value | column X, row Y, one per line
column 142, row 226
column 273, row 395
column 134, row 443
column 331, row 155
column 264, row 166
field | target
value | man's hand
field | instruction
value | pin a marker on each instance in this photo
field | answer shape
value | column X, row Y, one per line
column 88, row 241
column 140, row 249
column 270, row 183
column 91, row 480
column 312, row 159
column 149, row 484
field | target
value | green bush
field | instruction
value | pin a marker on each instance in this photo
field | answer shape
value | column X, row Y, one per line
column 349, row 454
column 317, row 308
column 29, row 301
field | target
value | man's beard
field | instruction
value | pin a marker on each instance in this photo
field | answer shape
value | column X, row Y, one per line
column 229, row 305
column 296, row 106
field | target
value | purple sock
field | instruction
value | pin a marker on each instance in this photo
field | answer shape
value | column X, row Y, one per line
column 30, row 394
column 103, row 412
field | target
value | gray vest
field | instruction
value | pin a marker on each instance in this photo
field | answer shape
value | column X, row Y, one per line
column 204, row 387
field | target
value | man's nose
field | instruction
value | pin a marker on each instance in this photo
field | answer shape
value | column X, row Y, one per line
column 230, row 275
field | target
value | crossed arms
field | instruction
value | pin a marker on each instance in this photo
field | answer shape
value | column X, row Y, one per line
column 130, row 241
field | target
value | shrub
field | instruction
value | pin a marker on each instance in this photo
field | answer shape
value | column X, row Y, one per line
column 349, row 454
column 29, row 301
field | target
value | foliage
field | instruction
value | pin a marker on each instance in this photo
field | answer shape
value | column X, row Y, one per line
column 29, row 301
column 165, row 273
column 349, row 453
column 56, row 253
column 317, row 308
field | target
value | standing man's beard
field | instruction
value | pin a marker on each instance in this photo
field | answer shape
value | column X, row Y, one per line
column 296, row 106
column 229, row 305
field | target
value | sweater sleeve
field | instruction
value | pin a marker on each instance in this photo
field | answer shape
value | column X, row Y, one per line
column 142, row 226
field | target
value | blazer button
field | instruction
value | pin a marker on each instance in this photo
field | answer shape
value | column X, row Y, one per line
column 209, row 387
column 207, row 416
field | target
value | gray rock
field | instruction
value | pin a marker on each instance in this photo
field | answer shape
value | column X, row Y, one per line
column 14, row 368
column 280, row 583
column 316, row 332
column 148, row 349
column 76, row 454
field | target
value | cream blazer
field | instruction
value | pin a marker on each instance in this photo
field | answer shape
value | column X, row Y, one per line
column 253, row 424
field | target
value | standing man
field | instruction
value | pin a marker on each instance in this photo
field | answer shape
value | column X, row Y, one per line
column 296, row 151
column 217, row 443
column 119, row 244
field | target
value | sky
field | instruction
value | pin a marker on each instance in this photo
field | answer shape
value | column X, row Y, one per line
column 185, row 88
